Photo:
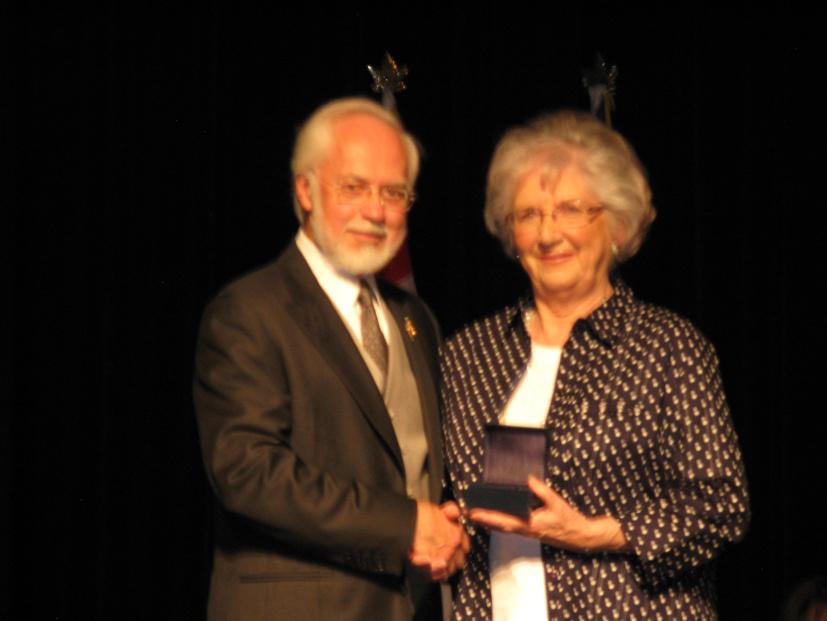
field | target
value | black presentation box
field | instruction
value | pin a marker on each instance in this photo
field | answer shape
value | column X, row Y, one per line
column 511, row 454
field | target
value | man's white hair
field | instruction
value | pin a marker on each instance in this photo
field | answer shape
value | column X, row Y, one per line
column 315, row 138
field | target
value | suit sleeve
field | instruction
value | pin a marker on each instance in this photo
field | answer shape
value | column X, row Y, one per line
column 245, row 416
column 703, row 503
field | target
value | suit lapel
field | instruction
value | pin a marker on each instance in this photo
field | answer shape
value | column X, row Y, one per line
column 314, row 313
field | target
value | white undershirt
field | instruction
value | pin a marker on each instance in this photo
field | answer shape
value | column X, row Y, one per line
column 518, row 582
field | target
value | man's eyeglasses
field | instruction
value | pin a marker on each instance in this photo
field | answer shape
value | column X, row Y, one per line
column 568, row 215
column 357, row 192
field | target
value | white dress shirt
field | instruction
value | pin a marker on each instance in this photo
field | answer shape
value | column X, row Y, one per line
column 342, row 289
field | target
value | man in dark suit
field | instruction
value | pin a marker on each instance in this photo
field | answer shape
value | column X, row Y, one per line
column 316, row 401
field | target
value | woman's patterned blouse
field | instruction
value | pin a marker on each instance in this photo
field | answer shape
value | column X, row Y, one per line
column 638, row 429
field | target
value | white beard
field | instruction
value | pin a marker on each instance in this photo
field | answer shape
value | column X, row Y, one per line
column 367, row 260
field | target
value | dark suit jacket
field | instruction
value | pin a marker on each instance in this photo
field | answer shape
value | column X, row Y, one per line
column 313, row 521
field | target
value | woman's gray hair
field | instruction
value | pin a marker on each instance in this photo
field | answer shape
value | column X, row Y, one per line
column 314, row 138
column 552, row 142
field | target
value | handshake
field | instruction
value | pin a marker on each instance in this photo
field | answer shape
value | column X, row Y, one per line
column 440, row 542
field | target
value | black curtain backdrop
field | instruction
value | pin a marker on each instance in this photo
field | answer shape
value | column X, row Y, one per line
column 150, row 150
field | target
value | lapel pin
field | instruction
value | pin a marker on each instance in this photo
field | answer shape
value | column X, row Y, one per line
column 410, row 328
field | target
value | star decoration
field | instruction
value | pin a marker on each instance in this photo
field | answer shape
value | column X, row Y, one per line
column 390, row 78
column 600, row 81
column 600, row 74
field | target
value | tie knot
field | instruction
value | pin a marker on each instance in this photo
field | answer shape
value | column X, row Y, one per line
column 365, row 292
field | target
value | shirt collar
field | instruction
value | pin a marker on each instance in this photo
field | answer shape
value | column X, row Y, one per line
column 607, row 322
column 338, row 285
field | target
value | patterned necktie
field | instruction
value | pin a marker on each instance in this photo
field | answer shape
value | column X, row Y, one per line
column 372, row 339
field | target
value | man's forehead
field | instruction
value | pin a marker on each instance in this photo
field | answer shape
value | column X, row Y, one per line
column 360, row 125
column 364, row 145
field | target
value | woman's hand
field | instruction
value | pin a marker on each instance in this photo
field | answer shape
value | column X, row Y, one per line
column 558, row 524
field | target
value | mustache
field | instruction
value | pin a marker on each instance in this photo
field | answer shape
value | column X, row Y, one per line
column 370, row 228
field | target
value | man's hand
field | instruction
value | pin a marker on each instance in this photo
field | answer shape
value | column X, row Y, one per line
column 440, row 541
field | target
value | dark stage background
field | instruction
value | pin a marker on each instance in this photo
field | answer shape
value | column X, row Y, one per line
column 151, row 149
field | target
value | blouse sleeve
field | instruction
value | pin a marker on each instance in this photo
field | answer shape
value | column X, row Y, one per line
column 702, row 504
column 448, row 423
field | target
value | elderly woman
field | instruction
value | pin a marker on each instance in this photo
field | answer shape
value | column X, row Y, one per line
column 643, row 483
